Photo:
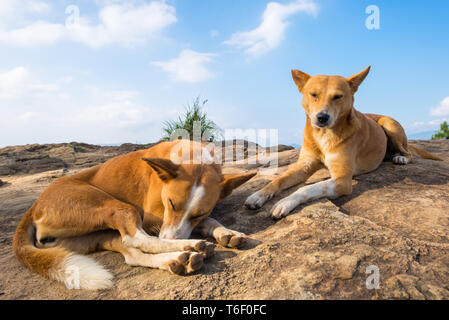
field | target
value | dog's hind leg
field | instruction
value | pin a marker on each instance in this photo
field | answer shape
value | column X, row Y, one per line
column 397, row 149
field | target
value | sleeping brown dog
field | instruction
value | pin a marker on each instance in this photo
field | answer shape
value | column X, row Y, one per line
column 115, row 206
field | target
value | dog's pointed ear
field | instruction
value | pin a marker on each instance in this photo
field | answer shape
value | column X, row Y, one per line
column 300, row 78
column 356, row 80
column 233, row 181
column 165, row 169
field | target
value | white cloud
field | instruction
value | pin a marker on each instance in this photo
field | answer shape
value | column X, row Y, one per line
column 19, row 83
column 420, row 126
column 36, row 6
column 190, row 66
column 37, row 111
column 14, row 6
column 115, row 109
column 108, row 2
column 442, row 109
column 12, row 82
column 119, row 23
column 27, row 116
column 271, row 32
column 7, row 8
column 13, row 11
column 125, row 24
column 36, row 34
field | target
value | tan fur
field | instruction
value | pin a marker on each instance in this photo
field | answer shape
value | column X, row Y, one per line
column 116, row 205
column 423, row 153
column 349, row 143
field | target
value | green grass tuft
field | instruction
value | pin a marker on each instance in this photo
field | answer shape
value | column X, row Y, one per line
column 194, row 114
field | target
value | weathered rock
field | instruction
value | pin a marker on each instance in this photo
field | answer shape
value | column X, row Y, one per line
column 346, row 266
column 397, row 220
column 37, row 158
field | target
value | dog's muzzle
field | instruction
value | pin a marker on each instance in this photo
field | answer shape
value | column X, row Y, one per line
column 171, row 233
column 322, row 119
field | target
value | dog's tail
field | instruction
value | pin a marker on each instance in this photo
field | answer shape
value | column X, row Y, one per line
column 75, row 271
column 423, row 153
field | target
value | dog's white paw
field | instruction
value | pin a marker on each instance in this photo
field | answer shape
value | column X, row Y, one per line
column 185, row 262
column 229, row 238
column 256, row 200
column 284, row 207
column 400, row 160
column 207, row 249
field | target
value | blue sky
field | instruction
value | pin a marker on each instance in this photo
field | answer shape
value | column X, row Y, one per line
column 124, row 67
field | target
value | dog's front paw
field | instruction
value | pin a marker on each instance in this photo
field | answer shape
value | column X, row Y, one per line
column 256, row 200
column 229, row 238
column 283, row 207
column 185, row 263
column 207, row 249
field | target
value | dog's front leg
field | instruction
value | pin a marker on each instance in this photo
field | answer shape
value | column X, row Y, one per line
column 150, row 244
column 176, row 262
column 307, row 165
column 332, row 188
column 226, row 237
column 341, row 169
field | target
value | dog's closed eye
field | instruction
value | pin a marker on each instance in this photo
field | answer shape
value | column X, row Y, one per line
column 199, row 217
column 314, row 95
column 337, row 97
column 172, row 205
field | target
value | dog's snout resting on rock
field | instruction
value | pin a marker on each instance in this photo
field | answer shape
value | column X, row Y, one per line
column 338, row 137
column 117, row 205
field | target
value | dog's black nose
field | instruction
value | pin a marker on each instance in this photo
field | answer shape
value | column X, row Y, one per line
column 323, row 118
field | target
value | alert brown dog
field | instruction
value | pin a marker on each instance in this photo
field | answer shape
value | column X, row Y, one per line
column 338, row 137
column 117, row 205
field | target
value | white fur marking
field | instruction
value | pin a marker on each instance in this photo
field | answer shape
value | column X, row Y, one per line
column 400, row 160
column 255, row 200
column 184, row 228
column 81, row 272
column 222, row 231
column 139, row 239
column 304, row 194
column 324, row 142
column 196, row 195
column 138, row 258
column 330, row 157
column 207, row 156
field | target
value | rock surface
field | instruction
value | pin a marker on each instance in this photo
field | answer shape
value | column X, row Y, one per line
column 35, row 158
column 396, row 222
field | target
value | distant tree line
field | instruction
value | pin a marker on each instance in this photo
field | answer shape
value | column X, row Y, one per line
column 443, row 133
